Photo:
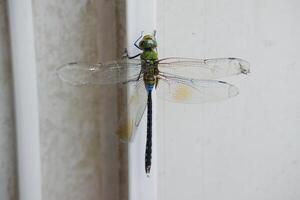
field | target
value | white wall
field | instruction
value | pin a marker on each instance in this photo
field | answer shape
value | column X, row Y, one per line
column 8, row 183
column 246, row 147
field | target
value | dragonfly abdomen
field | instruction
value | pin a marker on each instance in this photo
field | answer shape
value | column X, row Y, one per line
column 148, row 152
column 149, row 87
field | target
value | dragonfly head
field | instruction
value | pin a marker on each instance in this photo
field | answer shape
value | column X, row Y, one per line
column 148, row 43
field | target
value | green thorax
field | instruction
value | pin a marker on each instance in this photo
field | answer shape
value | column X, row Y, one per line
column 149, row 55
column 149, row 62
column 149, row 65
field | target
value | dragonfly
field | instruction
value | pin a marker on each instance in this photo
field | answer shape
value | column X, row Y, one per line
column 175, row 79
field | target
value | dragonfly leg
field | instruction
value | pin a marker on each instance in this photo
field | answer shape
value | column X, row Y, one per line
column 133, row 80
column 138, row 78
column 135, row 43
column 154, row 34
column 156, row 82
column 126, row 55
column 131, row 57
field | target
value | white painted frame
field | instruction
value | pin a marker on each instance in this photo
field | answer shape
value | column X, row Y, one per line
column 141, row 16
column 26, row 99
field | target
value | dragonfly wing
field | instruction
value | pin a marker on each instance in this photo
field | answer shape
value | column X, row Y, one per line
column 181, row 90
column 133, row 112
column 204, row 68
column 99, row 74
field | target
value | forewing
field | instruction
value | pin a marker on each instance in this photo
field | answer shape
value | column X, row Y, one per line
column 204, row 68
column 180, row 90
column 99, row 74
column 133, row 111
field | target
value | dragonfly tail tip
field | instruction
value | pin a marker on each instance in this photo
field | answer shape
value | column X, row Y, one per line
column 148, row 170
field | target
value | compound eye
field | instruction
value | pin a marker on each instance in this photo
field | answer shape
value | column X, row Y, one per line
column 154, row 45
column 142, row 44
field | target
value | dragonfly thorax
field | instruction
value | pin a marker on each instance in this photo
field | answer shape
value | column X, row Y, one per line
column 149, row 56
column 150, row 72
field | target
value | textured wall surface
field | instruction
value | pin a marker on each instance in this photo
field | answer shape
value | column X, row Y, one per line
column 246, row 147
column 8, row 183
column 79, row 154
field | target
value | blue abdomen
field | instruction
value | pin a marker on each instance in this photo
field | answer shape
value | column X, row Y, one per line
column 149, row 87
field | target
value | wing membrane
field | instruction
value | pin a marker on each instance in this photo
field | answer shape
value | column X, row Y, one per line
column 180, row 90
column 133, row 113
column 204, row 68
column 99, row 74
